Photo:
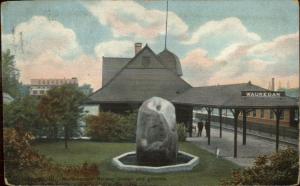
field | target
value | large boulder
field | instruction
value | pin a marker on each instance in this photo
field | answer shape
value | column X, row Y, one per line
column 156, row 135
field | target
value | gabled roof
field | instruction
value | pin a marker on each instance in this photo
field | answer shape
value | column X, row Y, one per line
column 111, row 66
column 229, row 96
column 135, row 83
column 139, row 61
column 171, row 61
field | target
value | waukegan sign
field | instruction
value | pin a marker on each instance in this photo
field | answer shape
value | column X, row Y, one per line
column 263, row 93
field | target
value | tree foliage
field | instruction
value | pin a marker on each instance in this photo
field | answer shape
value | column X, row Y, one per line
column 112, row 127
column 23, row 113
column 277, row 169
column 61, row 109
column 10, row 74
column 24, row 166
column 86, row 89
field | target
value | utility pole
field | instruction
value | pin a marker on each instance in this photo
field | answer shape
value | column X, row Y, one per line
column 166, row 35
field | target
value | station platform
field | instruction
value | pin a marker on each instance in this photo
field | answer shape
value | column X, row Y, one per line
column 256, row 145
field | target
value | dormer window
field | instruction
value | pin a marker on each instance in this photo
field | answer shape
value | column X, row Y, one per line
column 146, row 61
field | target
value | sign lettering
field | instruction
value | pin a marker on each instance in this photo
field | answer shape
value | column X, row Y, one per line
column 263, row 93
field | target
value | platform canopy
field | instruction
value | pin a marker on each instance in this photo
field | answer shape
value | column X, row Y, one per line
column 245, row 95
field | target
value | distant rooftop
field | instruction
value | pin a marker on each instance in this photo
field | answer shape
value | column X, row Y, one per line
column 53, row 81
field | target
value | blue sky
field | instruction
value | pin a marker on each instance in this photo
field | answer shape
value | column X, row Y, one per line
column 218, row 41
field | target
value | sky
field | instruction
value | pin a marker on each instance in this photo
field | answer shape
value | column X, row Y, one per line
column 217, row 41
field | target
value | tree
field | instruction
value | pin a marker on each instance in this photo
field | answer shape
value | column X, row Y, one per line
column 111, row 127
column 61, row 109
column 23, row 113
column 276, row 169
column 10, row 74
column 86, row 89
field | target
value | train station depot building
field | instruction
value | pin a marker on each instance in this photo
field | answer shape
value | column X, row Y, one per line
column 128, row 82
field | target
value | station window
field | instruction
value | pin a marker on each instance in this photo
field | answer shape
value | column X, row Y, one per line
column 262, row 113
column 296, row 115
column 42, row 91
column 271, row 114
column 34, row 92
column 254, row 113
column 248, row 113
column 282, row 115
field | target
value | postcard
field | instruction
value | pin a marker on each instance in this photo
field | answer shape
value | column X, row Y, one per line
column 150, row 92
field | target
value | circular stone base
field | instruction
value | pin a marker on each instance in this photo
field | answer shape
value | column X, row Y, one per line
column 120, row 163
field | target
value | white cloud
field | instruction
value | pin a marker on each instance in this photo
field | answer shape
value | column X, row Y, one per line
column 260, row 62
column 229, row 29
column 38, row 35
column 128, row 18
column 240, row 63
column 233, row 52
column 50, row 50
column 259, row 66
column 281, row 47
column 115, row 48
column 197, row 59
column 279, row 56
column 197, row 67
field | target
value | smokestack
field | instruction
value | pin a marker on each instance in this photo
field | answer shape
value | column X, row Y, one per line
column 137, row 47
column 273, row 84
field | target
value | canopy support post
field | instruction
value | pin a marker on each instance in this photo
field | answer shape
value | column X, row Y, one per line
column 277, row 114
column 235, row 113
column 244, row 126
column 209, row 110
column 220, row 120
column 190, row 121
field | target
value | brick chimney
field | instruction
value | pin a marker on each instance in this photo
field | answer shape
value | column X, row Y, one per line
column 137, row 47
column 273, row 84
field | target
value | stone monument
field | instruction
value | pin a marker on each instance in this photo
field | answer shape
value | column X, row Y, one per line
column 156, row 136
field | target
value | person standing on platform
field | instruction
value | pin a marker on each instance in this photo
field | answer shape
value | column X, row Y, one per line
column 206, row 127
column 191, row 130
column 200, row 128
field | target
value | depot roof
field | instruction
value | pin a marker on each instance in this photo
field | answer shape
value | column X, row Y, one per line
column 232, row 96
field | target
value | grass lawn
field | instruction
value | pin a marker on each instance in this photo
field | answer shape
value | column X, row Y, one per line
column 209, row 171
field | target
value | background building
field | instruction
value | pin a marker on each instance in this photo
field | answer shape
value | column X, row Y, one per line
column 39, row 87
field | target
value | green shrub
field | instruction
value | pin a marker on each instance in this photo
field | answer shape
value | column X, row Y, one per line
column 128, row 124
column 277, row 169
column 26, row 167
column 181, row 131
column 110, row 127
column 23, row 113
